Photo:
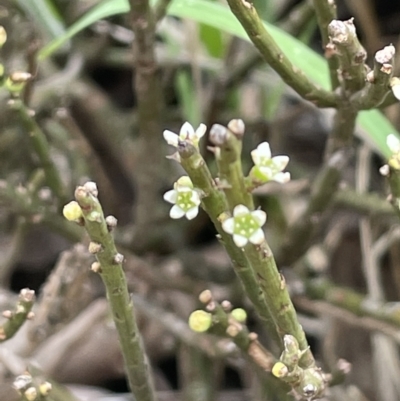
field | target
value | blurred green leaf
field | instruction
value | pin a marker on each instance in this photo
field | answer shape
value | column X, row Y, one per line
column 187, row 98
column 375, row 125
column 212, row 39
column 45, row 15
column 104, row 9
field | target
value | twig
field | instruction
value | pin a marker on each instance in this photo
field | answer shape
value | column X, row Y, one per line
column 370, row 204
column 109, row 266
column 21, row 313
column 322, row 192
column 215, row 203
column 160, row 10
column 377, row 88
column 326, row 12
column 42, row 148
column 149, row 105
column 248, row 17
column 366, row 18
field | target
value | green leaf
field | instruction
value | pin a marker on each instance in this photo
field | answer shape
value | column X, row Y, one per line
column 187, row 98
column 212, row 39
column 376, row 126
column 45, row 15
column 104, row 9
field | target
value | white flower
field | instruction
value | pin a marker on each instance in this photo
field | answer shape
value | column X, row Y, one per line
column 245, row 226
column 395, row 85
column 267, row 168
column 393, row 143
column 185, row 198
column 187, row 133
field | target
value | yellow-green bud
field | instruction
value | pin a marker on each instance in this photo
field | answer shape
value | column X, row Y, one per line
column 280, row 370
column 17, row 80
column 200, row 321
column 184, row 181
column 31, row 394
column 45, row 388
column 72, row 211
column 239, row 314
column 3, row 36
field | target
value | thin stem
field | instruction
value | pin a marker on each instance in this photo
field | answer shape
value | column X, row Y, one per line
column 215, row 204
column 147, row 88
column 325, row 11
column 42, row 148
column 322, row 192
column 269, row 49
column 109, row 267
column 377, row 88
column 17, row 317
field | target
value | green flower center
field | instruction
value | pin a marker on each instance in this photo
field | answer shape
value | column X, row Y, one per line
column 246, row 225
column 184, row 201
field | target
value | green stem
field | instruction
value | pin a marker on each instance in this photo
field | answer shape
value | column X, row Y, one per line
column 228, row 151
column 350, row 53
column 42, row 148
column 326, row 12
column 20, row 314
column 229, row 162
column 147, row 87
column 215, row 204
column 322, row 192
column 377, row 88
column 269, row 49
column 273, row 285
column 112, row 274
column 352, row 301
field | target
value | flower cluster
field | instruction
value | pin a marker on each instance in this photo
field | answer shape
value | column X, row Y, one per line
column 393, row 143
column 267, row 168
column 245, row 226
column 185, row 198
column 187, row 133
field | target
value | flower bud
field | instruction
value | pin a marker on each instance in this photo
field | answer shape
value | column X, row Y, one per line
column 239, row 314
column 280, row 370
column 3, row 36
column 200, row 321
column 72, row 211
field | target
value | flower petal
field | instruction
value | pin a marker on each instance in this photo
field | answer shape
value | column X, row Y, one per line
column 260, row 216
column 228, row 225
column 393, row 143
column 239, row 240
column 195, row 198
column 396, row 91
column 176, row 212
column 201, row 131
column 264, row 149
column 240, row 210
column 282, row 178
column 186, row 132
column 280, row 162
column 192, row 213
column 171, row 196
column 171, row 138
column 257, row 237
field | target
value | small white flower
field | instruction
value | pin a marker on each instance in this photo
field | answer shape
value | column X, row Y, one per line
column 245, row 226
column 185, row 198
column 267, row 168
column 395, row 85
column 393, row 143
column 187, row 133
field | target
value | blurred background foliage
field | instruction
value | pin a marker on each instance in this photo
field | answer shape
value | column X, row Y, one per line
column 85, row 104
